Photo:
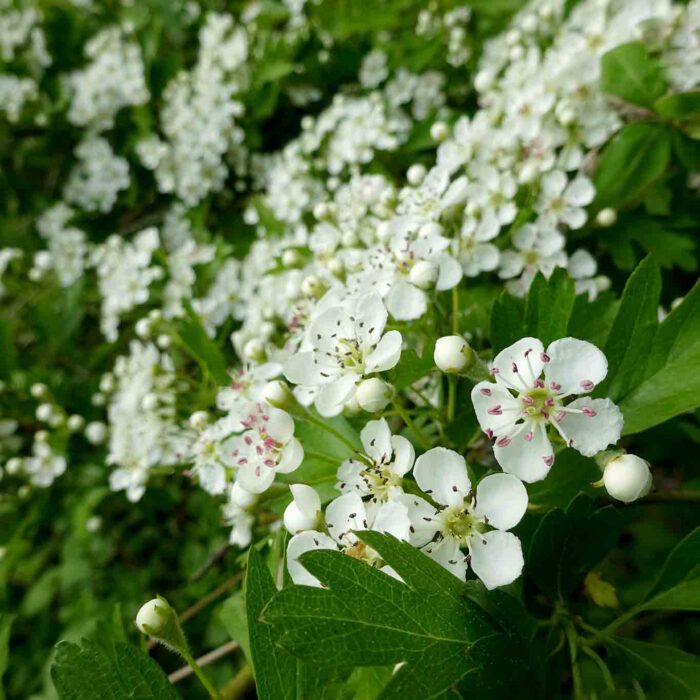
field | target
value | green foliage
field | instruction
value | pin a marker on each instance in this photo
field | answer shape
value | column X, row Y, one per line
column 629, row 72
column 108, row 670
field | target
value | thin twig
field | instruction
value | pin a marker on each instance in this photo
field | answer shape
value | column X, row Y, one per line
column 208, row 658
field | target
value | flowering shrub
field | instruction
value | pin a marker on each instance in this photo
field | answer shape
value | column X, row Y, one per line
column 365, row 336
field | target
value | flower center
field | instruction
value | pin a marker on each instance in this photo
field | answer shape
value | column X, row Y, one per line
column 539, row 403
column 350, row 356
column 458, row 523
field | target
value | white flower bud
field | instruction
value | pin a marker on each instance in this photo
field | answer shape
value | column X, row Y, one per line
column 99, row 399
column 453, row 354
column 107, row 383
column 432, row 228
column 277, row 393
column 291, row 258
column 41, row 436
column 143, row 328
column 155, row 315
column 373, row 394
column 149, row 402
column 606, row 217
column 312, row 286
column 303, row 512
column 627, row 478
column 96, row 432
column 424, row 274
column 439, row 131
column 75, row 423
column 13, row 466
column 44, row 412
column 199, row 420
column 153, row 617
column 42, row 260
column 336, row 267
column 415, row 174
column 321, row 211
column 240, row 497
column 39, row 390
column 163, row 341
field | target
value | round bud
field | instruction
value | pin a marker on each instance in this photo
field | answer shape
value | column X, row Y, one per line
column 143, row 328
column 432, row 228
column 153, row 616
column 163, row 341
column 149, row 402
column 96, row 432
column 93, row 523
column 439, row 131
column 277, row 393
column 627, row 478
column 107, row 383
column 424, row 274
column 155, row 315
column 302, row 513
column 254, row 350
column 44, row 412
column 39, row 390
column 529, row 23
column 415, row 174
column 199, row 420
column 373, row 394
column 42, row 260
column 75, row 423
column 483, row 80
column 98, row 399
column 336, row 267
column 312, row 286
column 453, row 354
column 321, row 211
column 41, row 436
column 13, row 466
column 291, row 258
column 606, row 217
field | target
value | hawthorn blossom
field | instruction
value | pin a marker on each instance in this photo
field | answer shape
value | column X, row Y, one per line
column 379, row 472
column 266, row 447
column 562, row 201
column 533, row 391
column 346, row 347
column 247, row 384
column 466, row 519
column 345, row 515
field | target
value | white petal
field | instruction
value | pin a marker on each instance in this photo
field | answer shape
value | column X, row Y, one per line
column 404, row 455
column 450, row 272
column 580, row 192
column 502, row 500
column 291, row 457
column 520, row 364
column 344, row 514
column 553, row 183
column 392, row 518
column 575, row 365
column 423, row 522
column 496, row 408
column 582, row 265
column 280, row 425
column 448, row 554
column 594, row 432
column 406, row 302
column 331, row 398
column 442, row 474
column 303, row 369
column 331, row 325
column 349, row 477
column 528, row 455
column 386, row 354
column 306, row 499
column 496, row 557
column 486, row 256
column 376, row 440
column 255, row 477
column 212, row 478
column 370, row 318
column 305, row 542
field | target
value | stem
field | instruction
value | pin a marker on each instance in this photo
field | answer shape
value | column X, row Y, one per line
column 425, row 443
column 575, row 671
column 602, row 667
column 451, row 397
column 237, row 686
column 320, row 456
column 328, row 428
column 213, row 692
column 617, row 622
column 214, row 655
column 455, row 311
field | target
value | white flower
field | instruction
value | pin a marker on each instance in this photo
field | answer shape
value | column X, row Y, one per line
column 627, row 478
column 344, row 515
column 303, row 512
column 378, row 473
column 267, row 447
column 477, row 521
column 518, row 409
column 346, row 348
column 562, row 201
column 247, row 384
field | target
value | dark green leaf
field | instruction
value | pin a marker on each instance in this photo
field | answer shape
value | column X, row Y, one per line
column 628, row 72
column 412, row 367
column 679, row 105
column 549, row 306
column 681, row 563
column 5, row 625
column 507, row 321
column 108, row 670
column 202, row 348
column 635, row 157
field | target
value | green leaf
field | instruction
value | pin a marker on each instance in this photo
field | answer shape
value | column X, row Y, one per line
column 507, row 321
column 5, row 625
column 366, row 618
column 676, row 673
column 549, row 306
column 412, row 367
column 627, row 347
column 202, row 348
column 275, row 670
column 571, row 474
column 669, row 386
column 679, row 105
column 634, row 158
column 683, row 562
column 568, row 544
column 233, row 615
column 684, row 596
column 108, row 670
column 628, row 72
